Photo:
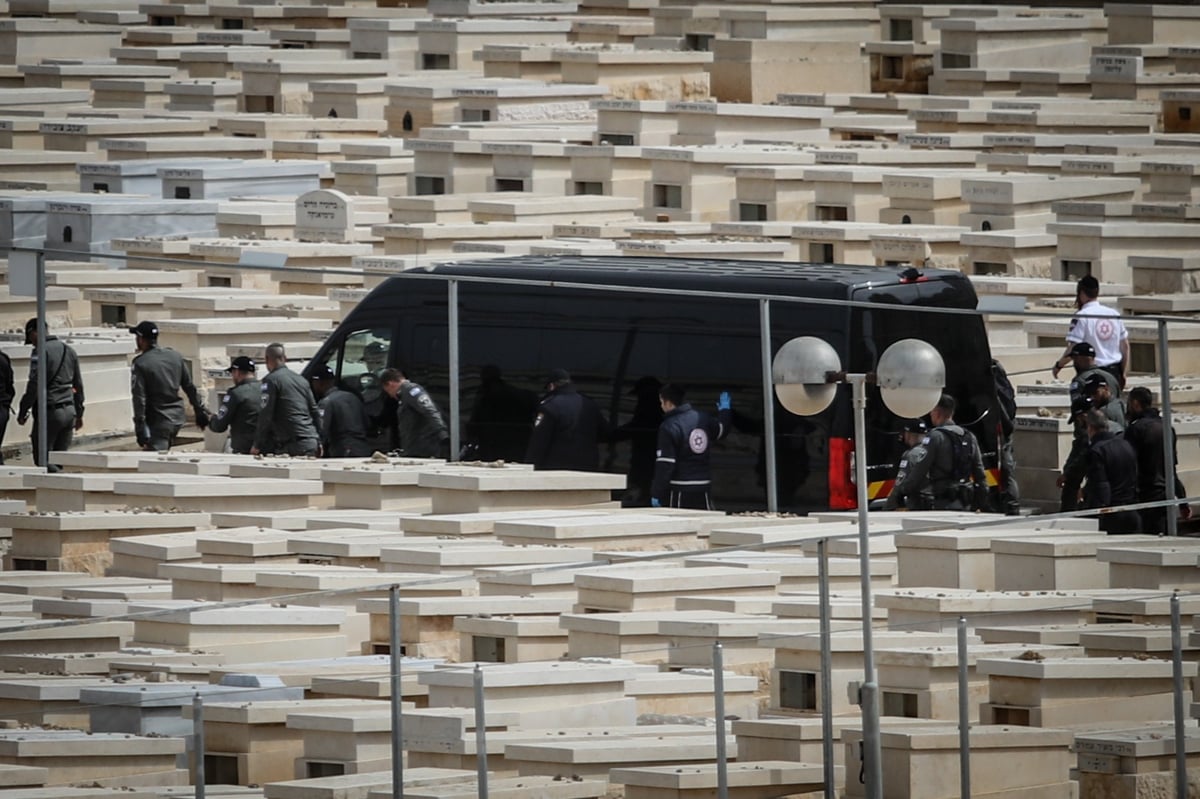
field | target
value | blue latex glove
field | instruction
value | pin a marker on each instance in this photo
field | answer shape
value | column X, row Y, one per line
column 654, row 503
column 724, row 402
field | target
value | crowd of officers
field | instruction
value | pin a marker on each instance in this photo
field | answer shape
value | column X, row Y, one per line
column 1116, row 456
column 1117, row 450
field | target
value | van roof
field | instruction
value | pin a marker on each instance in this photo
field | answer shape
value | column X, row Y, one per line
column 701, row 274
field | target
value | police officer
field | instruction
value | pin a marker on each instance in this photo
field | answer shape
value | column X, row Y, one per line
column 64, row 393
column 567, row 429
column 906, row 490
column 344, row 421
column 288, row 419
column 381, row 409
column 158, row 373
column 1111, row 475
column 1097, row 388
column 1083, row 355
column 239, row 407
column 419, row 426
column 682, row 478
column 952, row 470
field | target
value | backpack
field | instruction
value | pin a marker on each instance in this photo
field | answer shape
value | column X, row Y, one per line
column 1006, row 397
column 963, row 460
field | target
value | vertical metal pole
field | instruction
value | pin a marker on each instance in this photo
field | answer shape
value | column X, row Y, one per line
column 718, row 664
column 397, row 704
column 964, row 713
column 1168, row 433
column 825, row 614
column 481, row 766
column 869, row 693
column 768, row 387
column 455, row 381
column 198, row 742
column 1181, row 770
column 41, row 456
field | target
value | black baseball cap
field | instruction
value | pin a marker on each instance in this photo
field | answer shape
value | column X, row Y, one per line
column 145, row 329
column 558, row 376
column 241, row 364
column 1080, row 405
column 1092, row 382
column 1084, row 349
column 916, row 426
column 323, row 372
column 30, row 326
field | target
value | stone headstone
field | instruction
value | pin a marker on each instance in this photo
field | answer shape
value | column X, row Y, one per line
column 324, row 215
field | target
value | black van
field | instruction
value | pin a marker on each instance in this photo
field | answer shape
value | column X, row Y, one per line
column 515, row 315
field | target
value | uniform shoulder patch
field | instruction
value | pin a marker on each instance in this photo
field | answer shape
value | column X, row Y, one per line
column 539, row 419
column 415, row 391
column 917, row 454
column 265, row 386
column 925, row 441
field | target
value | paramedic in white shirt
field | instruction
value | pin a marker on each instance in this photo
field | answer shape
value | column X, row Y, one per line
column 1099, row 326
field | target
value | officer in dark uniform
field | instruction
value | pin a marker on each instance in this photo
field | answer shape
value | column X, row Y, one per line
column 1111, row 475
column 952, row 470
column 239, row 407
column 1098, row 388
column 344, row 421
column 1083, row 355
column 420, row 428
column 567, row 429
column 288, row 419
column 907, row 491
column 682, row 478
column 1145, row 435
column 64, row 393
column 158, row 373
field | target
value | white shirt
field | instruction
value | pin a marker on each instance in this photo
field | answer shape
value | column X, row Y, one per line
column 1103, row 329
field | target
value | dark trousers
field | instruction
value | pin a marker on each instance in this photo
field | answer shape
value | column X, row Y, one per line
column 1117, row 370
column 1154, row 520
column 299, row 448
column 1124, row 522
column 60, row 431
column 692, row 500
column 5, row 410
column 162, row 436
column 1010, row 493
column 1073, row 473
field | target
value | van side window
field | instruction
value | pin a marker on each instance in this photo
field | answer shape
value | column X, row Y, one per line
column 365, row 353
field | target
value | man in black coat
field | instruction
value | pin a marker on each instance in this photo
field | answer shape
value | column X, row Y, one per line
column 1111, row 476
column 1145, row 434
column 8, row 392
column 567, row 429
